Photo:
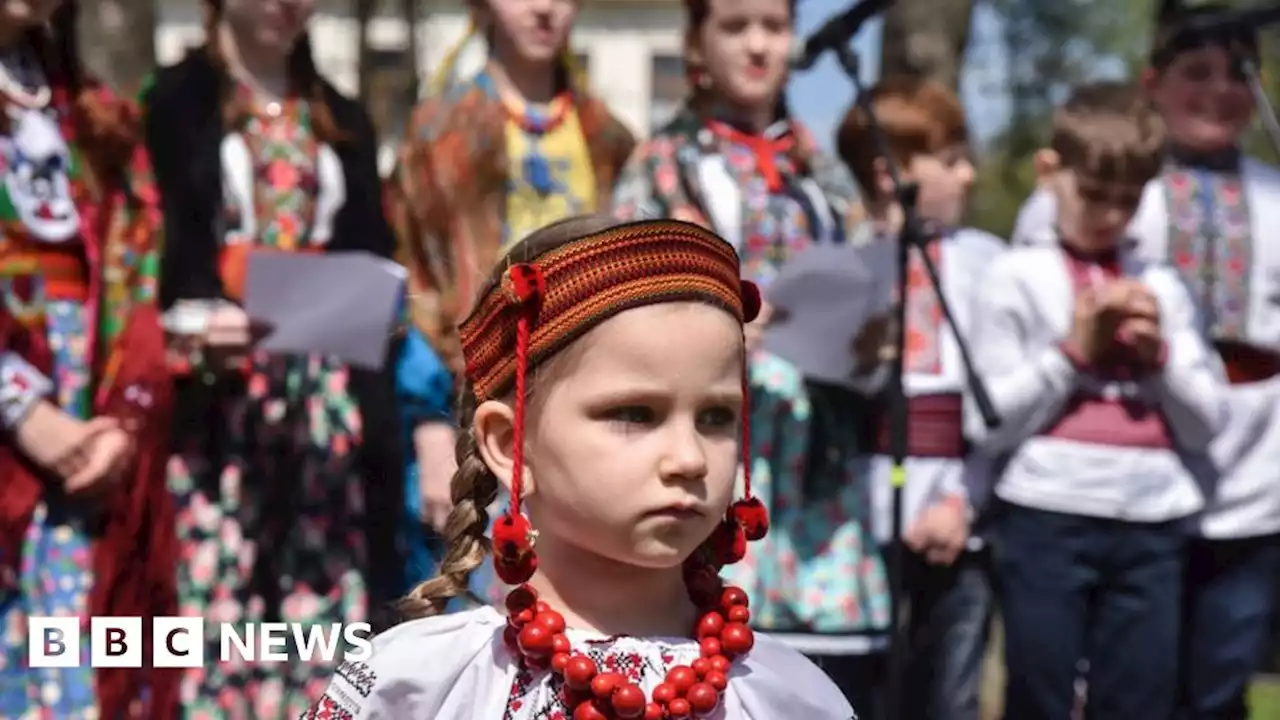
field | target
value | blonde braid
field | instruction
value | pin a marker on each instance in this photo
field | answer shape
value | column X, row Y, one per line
column 475, row 488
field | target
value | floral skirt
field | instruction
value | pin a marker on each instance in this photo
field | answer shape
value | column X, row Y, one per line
column 819, row 568
column 271, row 521
column 55, row 579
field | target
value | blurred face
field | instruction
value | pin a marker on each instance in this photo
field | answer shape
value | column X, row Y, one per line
column 1093, row 216
column 1205, row 106
column 943, row 179
column 26, row 13
column 744, row 47
column 635, row 459
column 532, row 30
column 269, row 24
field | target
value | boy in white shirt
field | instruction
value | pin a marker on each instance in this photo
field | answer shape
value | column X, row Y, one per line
column 1109, row 400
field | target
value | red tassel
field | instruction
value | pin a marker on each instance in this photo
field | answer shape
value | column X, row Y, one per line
column 751, row 301
column 513, row 554
column 728, row 543
column 524, row 283
column 752, row 516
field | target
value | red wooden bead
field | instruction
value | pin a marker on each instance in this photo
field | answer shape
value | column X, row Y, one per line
column 703, row 698
column 521, row 598
column 739, row 614
column 664, row 693
column 737, row 638
column 679, row 708
column 522, row 618
column 720, row 664
column 535, row 640
column 733, row 596
column 560, row 644
column 603, row 685
column 513, row 536
column 716, row 679
column 551, row 620
column 728, row 543
column 753, row 517
column 579, row 671
column 654, row 711
column 710, row 625
column 517, row 571
column 628, row 701
column 540, row 607
column 511, row 637
column 538, row 662
column 701, row 666
column 710, row 647
column 559, row 661
column 682, row 677
column 588, row 710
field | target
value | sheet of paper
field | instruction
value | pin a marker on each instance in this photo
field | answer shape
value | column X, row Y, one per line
column 341, row 304
column 822, row 298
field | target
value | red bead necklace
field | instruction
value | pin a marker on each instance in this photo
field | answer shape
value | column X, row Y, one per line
column 535, row 632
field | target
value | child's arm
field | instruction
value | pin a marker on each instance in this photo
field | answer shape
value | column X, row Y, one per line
column 1027, row 385
column 1191, row 385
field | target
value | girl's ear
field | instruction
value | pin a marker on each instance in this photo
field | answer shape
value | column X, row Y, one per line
column 494, row 429
column 1047, row 163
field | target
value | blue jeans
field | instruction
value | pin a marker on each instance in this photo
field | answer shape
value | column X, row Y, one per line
column 1230, row 598
column 950, row 618
column 1073, row 587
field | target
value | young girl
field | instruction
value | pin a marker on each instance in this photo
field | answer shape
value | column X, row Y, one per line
column 1211, row 215
column 86, row 525
column 282, row 461
column 735, row 161
column 606, row 367
column 486, row 161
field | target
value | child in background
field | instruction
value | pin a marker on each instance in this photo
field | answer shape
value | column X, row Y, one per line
column 1108, row 400
column 606, row 370
column 946, row 488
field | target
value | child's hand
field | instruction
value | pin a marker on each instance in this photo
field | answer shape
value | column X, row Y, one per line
column 1095, row 319
column 56, row 441
column 434, row 445
column 941, row 532
column 876, row 343
column 106, row 455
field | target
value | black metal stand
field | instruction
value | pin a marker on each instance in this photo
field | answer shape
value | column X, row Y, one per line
column 1266, row 111
column 911, row 235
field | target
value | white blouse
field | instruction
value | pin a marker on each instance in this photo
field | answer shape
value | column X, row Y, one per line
column 456, row 667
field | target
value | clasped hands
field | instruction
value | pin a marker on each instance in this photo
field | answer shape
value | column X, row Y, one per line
column 228, row 337
column 88, row 456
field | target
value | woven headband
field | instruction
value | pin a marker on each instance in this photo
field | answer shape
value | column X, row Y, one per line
column 573, row 288
column 539, row 307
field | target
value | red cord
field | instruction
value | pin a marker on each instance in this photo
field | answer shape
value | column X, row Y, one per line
column 517, row 453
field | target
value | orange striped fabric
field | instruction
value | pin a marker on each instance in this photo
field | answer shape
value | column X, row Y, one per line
column 594, row 278
column 64, row 270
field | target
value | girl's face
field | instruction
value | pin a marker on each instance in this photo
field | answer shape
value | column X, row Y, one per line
column 744, row 48
column 27, row 13
column 633, row 447
column 1205, row 105
column 269, row 24
column 533, row 30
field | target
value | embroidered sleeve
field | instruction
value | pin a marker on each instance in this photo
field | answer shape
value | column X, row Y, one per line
column 21, row 387
column 648, row 186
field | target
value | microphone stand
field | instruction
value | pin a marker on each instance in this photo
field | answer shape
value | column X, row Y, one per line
column 1266, row 112
column 911, row 235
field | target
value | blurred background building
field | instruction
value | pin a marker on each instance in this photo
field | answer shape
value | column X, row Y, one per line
column 630, row 50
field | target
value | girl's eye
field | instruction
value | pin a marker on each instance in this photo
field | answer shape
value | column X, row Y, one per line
column 633, row 415
column 718, row 419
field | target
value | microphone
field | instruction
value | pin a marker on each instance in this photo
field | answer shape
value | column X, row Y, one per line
column 837, row 31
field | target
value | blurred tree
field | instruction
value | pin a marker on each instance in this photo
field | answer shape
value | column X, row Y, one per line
column 926, row 37
column 117, row 41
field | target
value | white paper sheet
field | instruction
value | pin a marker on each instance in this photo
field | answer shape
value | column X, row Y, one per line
column 341, row 304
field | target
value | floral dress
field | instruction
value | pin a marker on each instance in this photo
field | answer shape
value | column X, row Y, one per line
column 61, row 279
column 772, row 195
column 270, row 505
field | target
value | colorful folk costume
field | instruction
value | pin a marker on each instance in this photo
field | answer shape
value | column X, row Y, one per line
column 284, row 470
column 523, row 663
column 79, row 239
column 1209, row 216
column 474, row 176
column 818, row 577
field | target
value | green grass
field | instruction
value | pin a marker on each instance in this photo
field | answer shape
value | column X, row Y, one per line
column 1264, row 699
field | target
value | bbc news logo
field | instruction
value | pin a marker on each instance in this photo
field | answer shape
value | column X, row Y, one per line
column 180, row 642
